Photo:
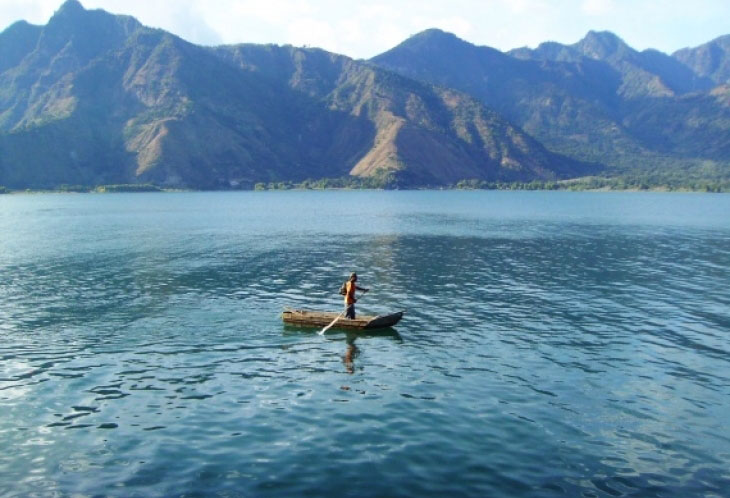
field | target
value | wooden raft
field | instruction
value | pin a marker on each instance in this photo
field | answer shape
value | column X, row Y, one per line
column 324, row 318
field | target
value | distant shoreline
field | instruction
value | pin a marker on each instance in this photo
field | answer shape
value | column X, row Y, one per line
column 628, row 183
column 97, row 190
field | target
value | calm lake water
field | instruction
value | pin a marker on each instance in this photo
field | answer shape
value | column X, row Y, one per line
column 555, row 344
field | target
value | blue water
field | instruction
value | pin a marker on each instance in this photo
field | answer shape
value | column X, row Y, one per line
column 554, row 344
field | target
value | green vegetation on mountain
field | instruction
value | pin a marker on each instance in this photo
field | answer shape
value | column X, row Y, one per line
column 711, row 60
column 98, row 99
column 628, row 182
column 638, row 113
column 92, row 99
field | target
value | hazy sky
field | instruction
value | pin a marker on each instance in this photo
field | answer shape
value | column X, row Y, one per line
column 362, row 29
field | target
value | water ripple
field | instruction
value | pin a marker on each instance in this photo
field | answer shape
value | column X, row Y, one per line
column 543, row 352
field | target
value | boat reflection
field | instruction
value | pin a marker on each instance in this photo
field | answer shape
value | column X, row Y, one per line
column 351, row 336
column 350, row 353
column 332, row 333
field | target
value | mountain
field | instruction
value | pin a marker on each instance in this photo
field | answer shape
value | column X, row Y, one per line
column 711, row 60
column 95, row 98
column 596, row 100
column 16, row 42
column 643, row 74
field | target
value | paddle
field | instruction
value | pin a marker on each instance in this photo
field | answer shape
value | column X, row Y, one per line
column 321, row 332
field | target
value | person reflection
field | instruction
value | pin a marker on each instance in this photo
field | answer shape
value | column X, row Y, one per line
column 350, row 353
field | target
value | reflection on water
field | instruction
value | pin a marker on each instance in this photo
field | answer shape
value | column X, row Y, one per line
column 143, row 351
column 350, row 353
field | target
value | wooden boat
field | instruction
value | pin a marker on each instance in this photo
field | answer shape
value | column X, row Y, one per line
column 324, row 318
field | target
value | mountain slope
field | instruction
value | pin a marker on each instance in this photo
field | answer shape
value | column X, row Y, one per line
column 643, row 74
column 596, row 100
column 447, row 134
column 16, row 42
column 711, row 60
column 563, row 104
column 95, row 98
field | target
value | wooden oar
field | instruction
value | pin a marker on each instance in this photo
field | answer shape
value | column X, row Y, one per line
column 321, row 332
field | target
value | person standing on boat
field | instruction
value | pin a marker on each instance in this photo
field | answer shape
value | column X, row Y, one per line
column 350, row 288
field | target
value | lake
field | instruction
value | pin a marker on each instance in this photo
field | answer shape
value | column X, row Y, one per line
column 554, row 344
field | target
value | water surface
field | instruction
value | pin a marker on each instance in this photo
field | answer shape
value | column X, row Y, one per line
column 555, row 343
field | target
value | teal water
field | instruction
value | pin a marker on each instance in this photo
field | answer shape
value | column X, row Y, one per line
column 555, row 344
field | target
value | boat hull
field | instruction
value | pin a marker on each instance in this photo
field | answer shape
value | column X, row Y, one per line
column 309, row 318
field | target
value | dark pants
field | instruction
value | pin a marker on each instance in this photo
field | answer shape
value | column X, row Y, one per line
column 350, row 313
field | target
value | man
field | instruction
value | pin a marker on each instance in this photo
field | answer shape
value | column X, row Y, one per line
column 350, row 288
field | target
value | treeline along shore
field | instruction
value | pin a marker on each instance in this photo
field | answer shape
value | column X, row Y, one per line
column 353, row 183
column 101, row 189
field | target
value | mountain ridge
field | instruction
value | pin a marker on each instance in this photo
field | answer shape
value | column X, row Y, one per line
column 595, row 100
column 95, row 98
column 709, row 60
column 675, row 78
column 100, row 98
